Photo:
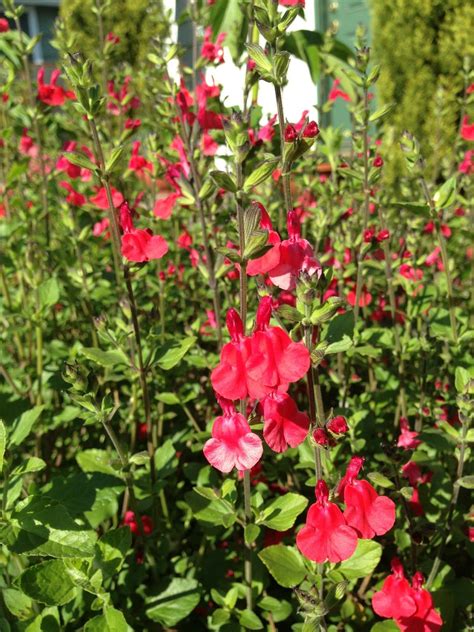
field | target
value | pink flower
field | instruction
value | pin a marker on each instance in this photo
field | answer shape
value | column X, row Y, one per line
column 141, row 245
column 74, row 197
column 292, row 253
column 284, row 424
column 408, row 438
column 326, row 536
column 395, row 598
column 337, row 93
column 214, row 53
column 290, row 133
column 102, row 228
column 270, row 259
column 137, row 163
column 311, row 130
column 367, row 512
column 291, row 3
column 267, row 132
column 209, row 146
column 50, row 93
column 233, row 444
column 164, row 206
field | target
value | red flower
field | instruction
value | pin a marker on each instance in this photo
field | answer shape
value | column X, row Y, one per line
column 131, row 521
column 233, row 444
column 284, row 424
column 467, row 129
column 4, row 26
column 74, row 197
column 141, row 245
column 270, row 259
column 50, row 93
column 321, row 437
column 425, row 618
column 337, row 93
column 367, row 512
column 378, row 162
column 326, row 536
column 260, row 364
column 138, row 163
column 395, row 599
column 164, row 206
column 100, row 198
column 291, row 3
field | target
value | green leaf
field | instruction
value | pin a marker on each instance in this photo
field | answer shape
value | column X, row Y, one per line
column 446, row 194
column 338, row 347
column 168, row 398
column 32, row 464
column 105, row 358
column 227, row 17
column 42, row 526
column 461, row 380
column 385, row 626
column 171, row 353
column 111, row 620
column 3, row 441
column 264, row 63
column 81, row 161
column 223, row 180
column 48, row 583
column 282, row 512
column 340, row 327
column 466, row 481
column 48, row 293
column 175, row 603
column 249, row 620
column 111, row 550
column 214, row 512
column 284, row 564
column 379, row 479
column 95, row 460
column 251, row 533
column 164, row 458
column 19, row 604
column 22, row 427
column 306, row 46
column 363, row 561
column 260, row 174
column 114, row 158
column 381, row 112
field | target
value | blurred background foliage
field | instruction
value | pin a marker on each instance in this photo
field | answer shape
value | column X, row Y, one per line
column 422, row 46
column 135, row 22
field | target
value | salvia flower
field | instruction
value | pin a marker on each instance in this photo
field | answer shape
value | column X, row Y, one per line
column 213, row 52
column 284, row 425
column 233, row 444
column 367, row 512
column 141, row 245
column 50, row 93
column 326, row 536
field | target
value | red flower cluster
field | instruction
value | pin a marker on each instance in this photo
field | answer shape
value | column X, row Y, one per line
column 257, row 365
column 331, row 535
column 410, row 606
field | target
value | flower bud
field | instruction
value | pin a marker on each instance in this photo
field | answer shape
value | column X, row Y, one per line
column 311, row 130
column 290, row 134
column 338, row 425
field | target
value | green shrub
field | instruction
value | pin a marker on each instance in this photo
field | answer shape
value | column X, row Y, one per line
column 421, row 46
column 134, row 21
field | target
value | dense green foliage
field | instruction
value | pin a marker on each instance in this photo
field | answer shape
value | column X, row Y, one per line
column 135, row 22
column 422, row 46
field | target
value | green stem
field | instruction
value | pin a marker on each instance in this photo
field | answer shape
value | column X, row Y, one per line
column 444, row 256
column 365, row 135
column 453, row 502
column 285, row 168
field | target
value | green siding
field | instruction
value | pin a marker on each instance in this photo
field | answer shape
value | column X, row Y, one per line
column 342, row 17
